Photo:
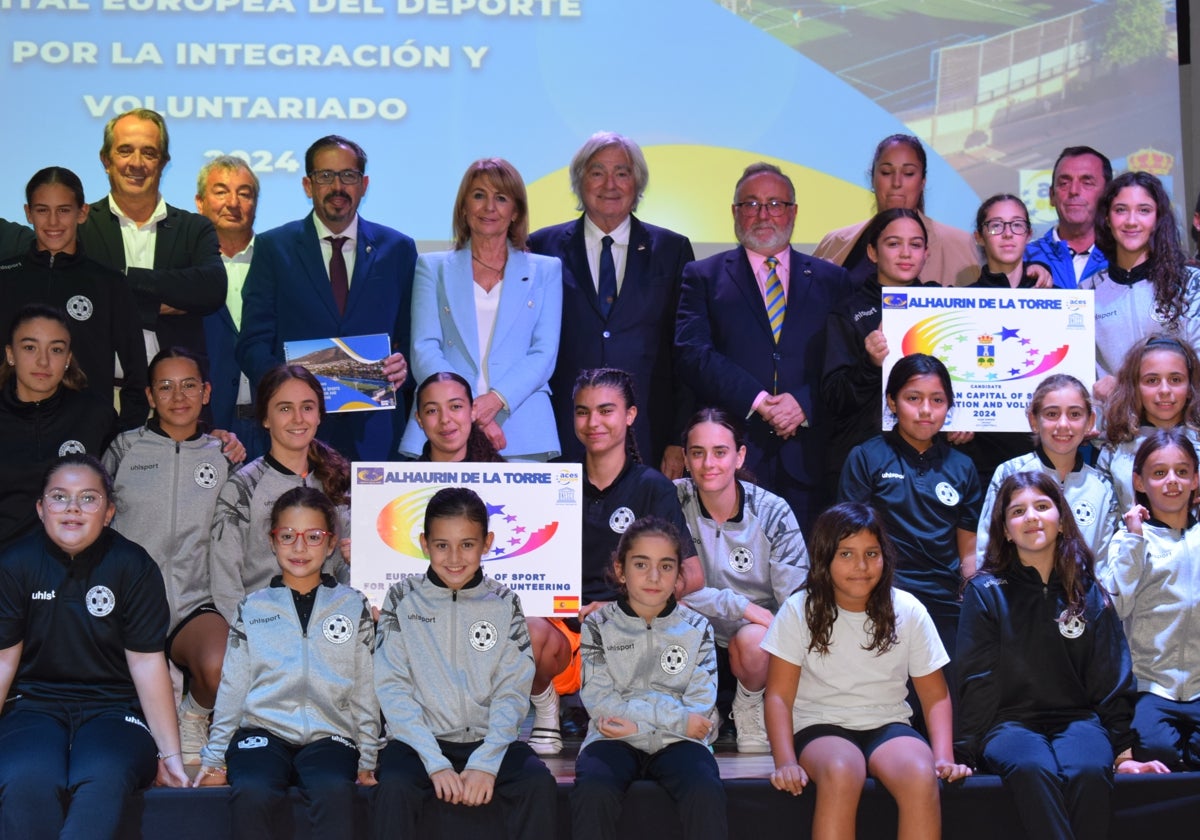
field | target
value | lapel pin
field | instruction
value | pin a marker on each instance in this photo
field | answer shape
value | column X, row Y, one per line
column 642, row 247
column 808, row 271
column 368, row 249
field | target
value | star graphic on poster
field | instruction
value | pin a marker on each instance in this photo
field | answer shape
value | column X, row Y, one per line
column 947, row 348
column 991, row 376
column 1025, row 341
column 510, row 518
column 1014, row 371
column 494, row 510
column 520, row 529
column 961, row 339
column 514, row 541
column 1006, row 333
column 497, row 550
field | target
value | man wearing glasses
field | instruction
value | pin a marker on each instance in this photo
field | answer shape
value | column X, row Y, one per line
column 751, row 338
column 332, row 273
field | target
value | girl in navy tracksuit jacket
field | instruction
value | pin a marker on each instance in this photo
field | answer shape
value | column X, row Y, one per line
column 1047, row 692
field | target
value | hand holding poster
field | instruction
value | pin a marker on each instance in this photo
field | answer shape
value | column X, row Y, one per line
column 533, row 510
column 998, row 344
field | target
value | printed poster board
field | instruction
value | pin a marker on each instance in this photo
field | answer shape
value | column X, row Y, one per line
column 998, row 344
column 535, row 511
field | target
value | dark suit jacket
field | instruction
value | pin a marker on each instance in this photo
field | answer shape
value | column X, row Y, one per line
column 636, row 337
column 728, row 355
column 287, row 297
column 223, row 370
column 188, row 273
column 14, row 239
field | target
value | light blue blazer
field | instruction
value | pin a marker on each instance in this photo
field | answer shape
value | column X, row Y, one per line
column 445, row 336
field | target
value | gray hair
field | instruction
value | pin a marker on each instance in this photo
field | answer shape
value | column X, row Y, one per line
column 595, row 144
column 758, row 169
column 226, row 163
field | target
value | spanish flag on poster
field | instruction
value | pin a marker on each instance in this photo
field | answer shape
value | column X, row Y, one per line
column 566, row 604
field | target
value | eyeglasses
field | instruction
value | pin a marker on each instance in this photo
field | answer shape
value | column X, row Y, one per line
column 995, row 227
column 167, row 387
column 774, row 207
column 325, row 177
column 313, row 537
column 87, row 501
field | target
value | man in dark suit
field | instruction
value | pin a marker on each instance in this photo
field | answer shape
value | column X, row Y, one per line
column 169, row 255
column 619, row 299
column 227, row 195
column 751, row 336
column 332, row 273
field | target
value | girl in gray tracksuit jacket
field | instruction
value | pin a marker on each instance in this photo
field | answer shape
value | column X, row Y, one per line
column 297, row 695
column 453, row 669
column 1153, row 572
column 650, row 687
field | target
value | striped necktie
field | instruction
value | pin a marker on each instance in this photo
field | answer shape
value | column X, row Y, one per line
column 776, row 305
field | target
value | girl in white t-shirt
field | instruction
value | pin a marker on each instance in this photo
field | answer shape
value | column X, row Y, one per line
column 842, row 650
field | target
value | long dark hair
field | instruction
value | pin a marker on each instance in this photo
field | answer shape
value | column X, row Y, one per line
column 1167, row 270
column 901, row 140
column 820, row 609
column 646, row 526
column 479, row 448
column 1073, row 560
column 74, row 376
column 622, row 382
column 1162, row 439
column 722, row 418
column 1124, row 412
column 329, row 467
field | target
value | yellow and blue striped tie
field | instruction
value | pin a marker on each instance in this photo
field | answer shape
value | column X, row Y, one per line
column 776, row 305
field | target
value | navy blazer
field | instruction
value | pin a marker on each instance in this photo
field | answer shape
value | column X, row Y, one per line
column 636, row 337
column 727, row 353
column 287, row 297
column 223, row 370
column 188, row 273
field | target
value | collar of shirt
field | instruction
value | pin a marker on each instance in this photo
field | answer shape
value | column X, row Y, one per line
column 139, row 240
column 758, row 264
column 349, row 249
column 1079, row 259
column 620, row 248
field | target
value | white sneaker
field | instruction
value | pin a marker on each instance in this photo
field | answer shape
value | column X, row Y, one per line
column 193, row 734
column 747, row 714
column 545, row 738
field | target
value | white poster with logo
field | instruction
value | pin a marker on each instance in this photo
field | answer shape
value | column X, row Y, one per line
column 997, row 344
column 534, row 510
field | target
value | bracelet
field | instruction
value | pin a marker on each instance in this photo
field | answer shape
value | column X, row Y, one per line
column 162, row 757
column 213, row 771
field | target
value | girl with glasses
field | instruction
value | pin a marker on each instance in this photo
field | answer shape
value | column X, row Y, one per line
column 167, row 476
column 80, row 733
column 1002, row 231
column 304, row 641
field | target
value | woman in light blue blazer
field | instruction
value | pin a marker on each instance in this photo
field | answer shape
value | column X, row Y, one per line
column 491, row 312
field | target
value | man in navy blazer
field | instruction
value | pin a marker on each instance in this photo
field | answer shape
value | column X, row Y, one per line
column 169, row 255
column 289, row 294
column 227, row 195
column 636, row 330
column 767, row 370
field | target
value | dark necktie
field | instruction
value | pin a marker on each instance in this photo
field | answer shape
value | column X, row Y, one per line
column 338, row 280
column 608, row 277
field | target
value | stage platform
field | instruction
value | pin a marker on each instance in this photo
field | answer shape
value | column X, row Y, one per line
column 977, row 809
